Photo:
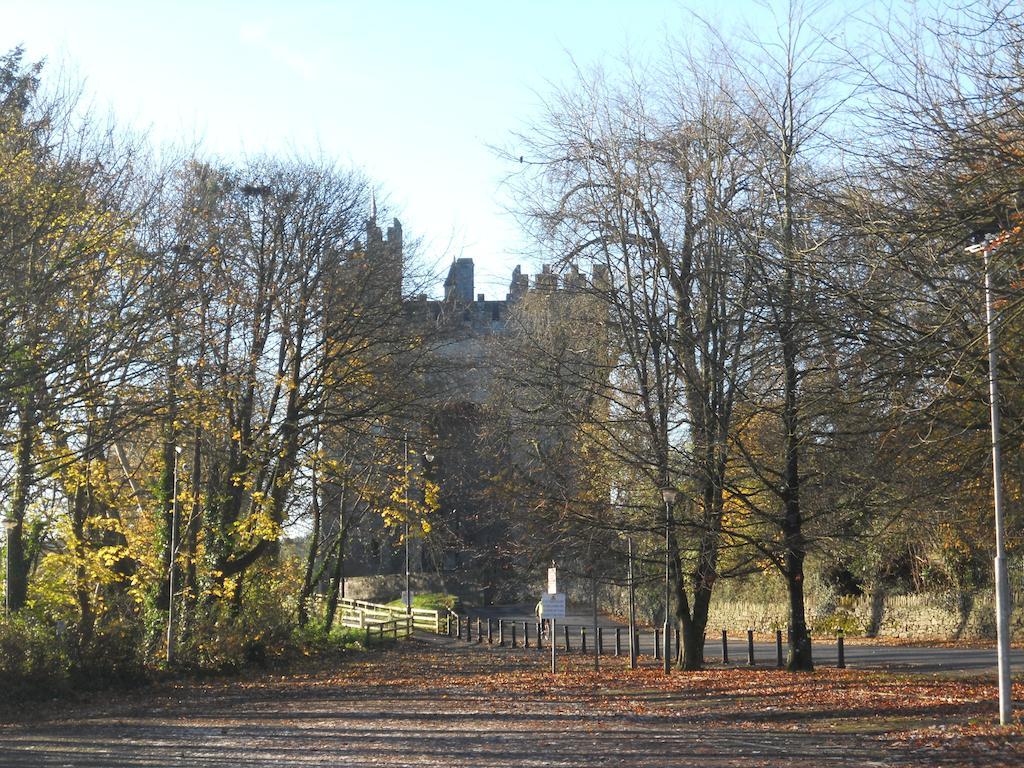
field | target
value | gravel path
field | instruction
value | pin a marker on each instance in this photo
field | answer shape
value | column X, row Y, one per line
column 426, row 702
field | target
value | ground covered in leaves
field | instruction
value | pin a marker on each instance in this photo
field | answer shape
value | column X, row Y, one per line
column 439, row 702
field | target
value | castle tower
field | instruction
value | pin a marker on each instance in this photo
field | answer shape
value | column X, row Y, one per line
column 387, row 251
column 458, row 286
column 519, row 286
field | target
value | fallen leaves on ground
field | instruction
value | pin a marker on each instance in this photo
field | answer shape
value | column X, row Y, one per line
column 951, row 720
column 912, row 711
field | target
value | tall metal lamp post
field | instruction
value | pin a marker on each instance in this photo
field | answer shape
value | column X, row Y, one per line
column 171, row 585
column 1002, row 581
column 669, row 496
column 408, row 593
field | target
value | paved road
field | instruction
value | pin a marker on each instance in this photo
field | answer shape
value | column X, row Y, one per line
column 857, row 655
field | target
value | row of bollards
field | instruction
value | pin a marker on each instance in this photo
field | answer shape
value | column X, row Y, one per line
column 485, row 632
column 463, row 629
column 780, row 658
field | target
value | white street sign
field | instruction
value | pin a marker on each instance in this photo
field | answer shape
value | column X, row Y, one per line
column 552, row 580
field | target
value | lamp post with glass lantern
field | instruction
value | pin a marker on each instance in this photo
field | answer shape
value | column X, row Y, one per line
column 669, row 496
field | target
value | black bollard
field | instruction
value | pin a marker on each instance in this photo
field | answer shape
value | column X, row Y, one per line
column 725, row 646
column 618, row 641
column 600, row 641
column 490, row 632
column 778, row 648
column 513, row 634
column 501, row 633
column 526, row 634
column 839, row 649
column 583, row 641
column 567, row 646
column 657, row 643
column 750, row 647
column 479, row 631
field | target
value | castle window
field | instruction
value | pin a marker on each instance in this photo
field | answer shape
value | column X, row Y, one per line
column 496, row 311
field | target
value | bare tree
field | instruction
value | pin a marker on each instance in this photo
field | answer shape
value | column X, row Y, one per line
column 646, row 189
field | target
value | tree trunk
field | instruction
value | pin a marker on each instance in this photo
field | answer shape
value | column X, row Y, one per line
column 86, row 614
column 337, row 580
column 695, row 625
column 236, row 597
column 190, row 587
column 17, row 563
column 799, row 657
column 167, row 469
column 334, row 589
column 314, row 546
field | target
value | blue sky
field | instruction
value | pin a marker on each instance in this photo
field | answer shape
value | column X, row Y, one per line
column 412, row 92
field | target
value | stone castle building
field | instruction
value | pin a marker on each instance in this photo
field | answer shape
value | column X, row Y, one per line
column 468, row 331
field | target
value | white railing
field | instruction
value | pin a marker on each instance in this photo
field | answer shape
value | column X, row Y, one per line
column 360, row 613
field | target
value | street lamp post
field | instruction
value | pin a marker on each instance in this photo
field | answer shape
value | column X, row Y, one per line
column 669, row 496
column 171, row 586
column 1002, row 581
column 408, row 580
column 632, row 607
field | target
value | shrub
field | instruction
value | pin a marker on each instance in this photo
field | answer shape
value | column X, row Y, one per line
column 313, row 639
column 34, row 659
column 431, row 601
column 115, row 658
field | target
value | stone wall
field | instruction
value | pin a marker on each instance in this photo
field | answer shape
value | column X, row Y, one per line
column 381, row 589
column 906, row 617
column 910, row 617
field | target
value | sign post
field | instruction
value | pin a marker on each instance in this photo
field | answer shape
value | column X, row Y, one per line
column 554, row 646
column 552, row 607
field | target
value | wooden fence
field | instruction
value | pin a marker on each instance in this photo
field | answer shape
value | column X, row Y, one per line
column 359, row 613
column 393, row 629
